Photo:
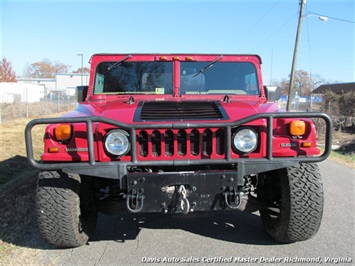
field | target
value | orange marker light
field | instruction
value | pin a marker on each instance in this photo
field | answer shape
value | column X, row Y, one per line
column 176, row 58
column 162, row 58
column 53, row 149
column 307, row 144
column 297, row 128
column 189, row 58
column 62, row 132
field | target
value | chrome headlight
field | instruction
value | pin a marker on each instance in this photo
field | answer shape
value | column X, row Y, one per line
column 117, row 142
column 245, row 140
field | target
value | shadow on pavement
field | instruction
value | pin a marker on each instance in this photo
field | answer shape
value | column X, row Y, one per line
column 231, row 226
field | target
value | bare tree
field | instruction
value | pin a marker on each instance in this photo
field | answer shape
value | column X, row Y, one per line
column 7, row 74
column 317, row 80
column 45, row 69
column 284, row 85
column 303, row 83
column 82, row 70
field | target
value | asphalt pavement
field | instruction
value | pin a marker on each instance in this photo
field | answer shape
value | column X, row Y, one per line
column 229, row 237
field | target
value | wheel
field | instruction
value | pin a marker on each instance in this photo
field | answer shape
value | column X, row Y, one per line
column 295, row 203
column 65, row 213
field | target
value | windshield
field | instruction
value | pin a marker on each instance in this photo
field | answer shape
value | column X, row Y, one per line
column 134, row 77
column 122, row 77
column 219, row 78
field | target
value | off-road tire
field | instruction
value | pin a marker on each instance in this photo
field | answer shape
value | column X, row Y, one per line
column 63, row 220
column 298, row 198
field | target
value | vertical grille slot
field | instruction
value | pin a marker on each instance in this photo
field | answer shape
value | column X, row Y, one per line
column 156, row 143
column 194, row 142
column 143, row 143
column 207, row 142
column 182, row 142
column 169, row 143
column 220, row 141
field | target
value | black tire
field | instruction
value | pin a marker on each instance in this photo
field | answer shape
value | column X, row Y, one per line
column 65, row 215
column 295, row 208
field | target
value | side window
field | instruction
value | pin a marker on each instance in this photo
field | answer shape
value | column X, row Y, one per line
column 99, row 83
column 251, row 84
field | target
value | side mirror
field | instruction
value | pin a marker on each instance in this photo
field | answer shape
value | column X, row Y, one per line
column 80, row 93
column 273, row 93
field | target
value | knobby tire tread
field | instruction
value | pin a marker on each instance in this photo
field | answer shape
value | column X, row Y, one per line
column 58, row 209
column 302, row 201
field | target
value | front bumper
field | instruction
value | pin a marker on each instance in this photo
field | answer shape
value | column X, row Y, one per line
column 166, row 192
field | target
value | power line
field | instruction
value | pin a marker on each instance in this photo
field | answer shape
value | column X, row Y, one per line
column 271, row 35
column 255, row 24
column 339, row 19
column 267, row 13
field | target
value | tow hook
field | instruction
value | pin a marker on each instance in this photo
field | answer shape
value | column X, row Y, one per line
column 135, row 201
column 232, row 197
column 185, row 204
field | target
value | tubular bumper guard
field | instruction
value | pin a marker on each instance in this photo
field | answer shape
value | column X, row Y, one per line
column 117, row 170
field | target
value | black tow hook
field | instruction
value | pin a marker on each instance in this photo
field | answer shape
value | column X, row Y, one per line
column 135, row 201
column 232, row 197
column 184, row 204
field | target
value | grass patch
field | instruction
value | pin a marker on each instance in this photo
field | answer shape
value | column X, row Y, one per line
column 344, row 159
column 18, row 179
column 13, row 162
column 347, row 159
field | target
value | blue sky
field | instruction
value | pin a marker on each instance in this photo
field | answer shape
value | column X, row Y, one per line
column 32, row 31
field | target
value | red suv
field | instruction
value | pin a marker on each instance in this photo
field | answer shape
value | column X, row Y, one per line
column 177, row 133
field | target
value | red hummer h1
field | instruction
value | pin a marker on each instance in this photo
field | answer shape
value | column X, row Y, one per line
column 178, row 133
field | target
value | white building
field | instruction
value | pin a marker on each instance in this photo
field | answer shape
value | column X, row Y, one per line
column 67, row 82
column 35, row 89
column 11, row 92
column 49, row 84
column 62, row 83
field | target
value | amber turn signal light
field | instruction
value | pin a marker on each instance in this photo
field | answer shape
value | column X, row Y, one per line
column 297, row 128
column 307, row 144
column 62, row 132
column 53, row 149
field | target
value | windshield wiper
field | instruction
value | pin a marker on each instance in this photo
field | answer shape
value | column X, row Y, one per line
column 208, row 66
column 117, row 64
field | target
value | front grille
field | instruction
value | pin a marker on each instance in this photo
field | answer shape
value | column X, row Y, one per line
column 189, row 110
column 184, row 143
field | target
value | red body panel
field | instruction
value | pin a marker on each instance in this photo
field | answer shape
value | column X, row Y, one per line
column 122, row 109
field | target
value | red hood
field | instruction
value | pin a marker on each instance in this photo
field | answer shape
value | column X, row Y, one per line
column 123, row 111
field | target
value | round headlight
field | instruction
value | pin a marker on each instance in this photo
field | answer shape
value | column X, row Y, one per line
column 117, row 143
column 245, row 140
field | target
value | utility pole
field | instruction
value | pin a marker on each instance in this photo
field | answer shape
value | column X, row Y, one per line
column 81, row 71
column 292, row 75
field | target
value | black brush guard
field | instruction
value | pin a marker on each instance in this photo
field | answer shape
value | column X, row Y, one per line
column 117, row 170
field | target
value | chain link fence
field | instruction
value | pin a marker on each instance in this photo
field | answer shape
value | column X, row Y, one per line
column 17, row 110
